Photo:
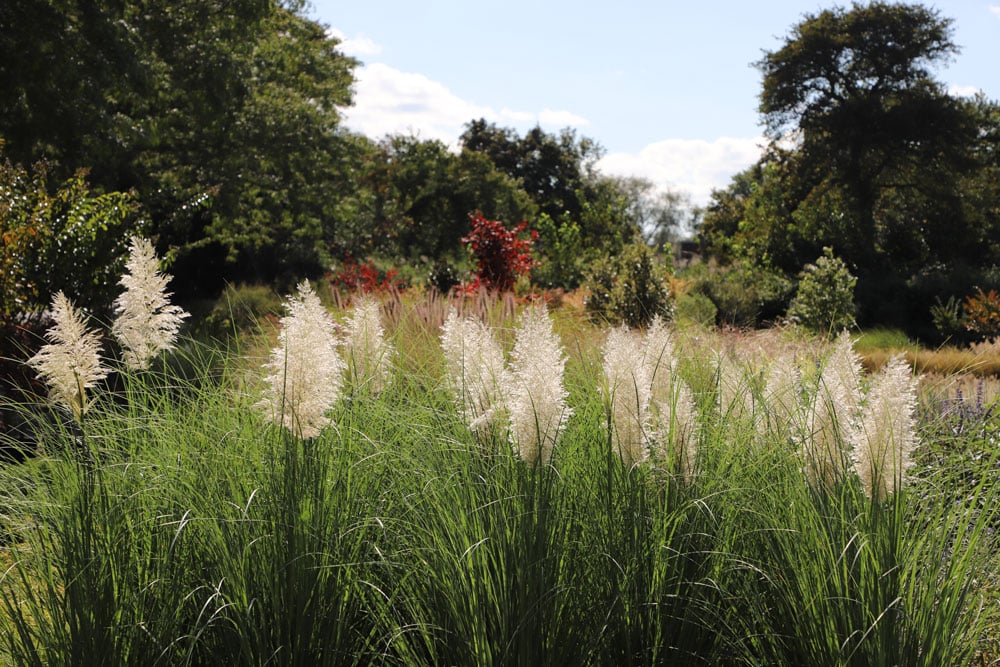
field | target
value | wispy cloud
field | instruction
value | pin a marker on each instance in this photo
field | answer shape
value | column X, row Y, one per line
column 390, row 101
column 995, row 10
column 694, row 166
column 956, row 90
column 358, row 46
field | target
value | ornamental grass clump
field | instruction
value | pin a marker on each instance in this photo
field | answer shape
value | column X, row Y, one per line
column 474, row 368
column 71, row 362
column 783, row 397
column 146, row 323
column 833, row 414
column 673, row 415
column 536, row 398
column 627, row 394
column 882, row 444
column 368, row 354
column 306, row 371
column 736, row 393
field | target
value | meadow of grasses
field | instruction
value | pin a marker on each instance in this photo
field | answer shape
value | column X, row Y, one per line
column 180, row 519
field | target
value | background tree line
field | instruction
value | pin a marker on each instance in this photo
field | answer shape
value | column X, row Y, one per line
column 215, row 127
column 219, row 124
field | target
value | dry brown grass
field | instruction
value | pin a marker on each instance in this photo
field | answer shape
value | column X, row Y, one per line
column 942, row 361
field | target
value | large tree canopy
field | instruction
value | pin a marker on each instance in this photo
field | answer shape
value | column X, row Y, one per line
column 222, row 116
column 854, row 88
column 869, row 155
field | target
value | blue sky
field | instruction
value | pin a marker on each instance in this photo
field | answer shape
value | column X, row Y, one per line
column 667, row 88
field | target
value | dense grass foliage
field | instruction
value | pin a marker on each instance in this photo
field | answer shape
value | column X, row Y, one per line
column 175, row 524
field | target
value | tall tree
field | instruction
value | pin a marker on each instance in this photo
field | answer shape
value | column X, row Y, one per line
column 853, row 89
column 222, row 115
column 552, row 168
column 424, row 194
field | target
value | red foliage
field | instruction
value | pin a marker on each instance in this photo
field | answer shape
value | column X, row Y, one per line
column 365, row 278
column 982, row 313
column 502, row 256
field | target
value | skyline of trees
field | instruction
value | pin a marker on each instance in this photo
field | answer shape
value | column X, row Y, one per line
column 223, row 121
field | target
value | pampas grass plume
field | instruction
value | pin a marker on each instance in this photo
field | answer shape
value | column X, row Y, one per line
column 834, row 414
column 883, row 443
column 146, row 321
column 474, row 367
column 71, row 362
column 368, row 353
column 536, row 399
column 305, row 371
column 627, row 394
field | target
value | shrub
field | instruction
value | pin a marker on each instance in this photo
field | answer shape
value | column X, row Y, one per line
column 630, row 288
column 354, row 276
column 501, row 255
column 561, row 247
column 744, row 295
column 240, row 309
column 65, row 238
column 825, row 298
column 947, row 318
column 695, row 307
column 982, row 313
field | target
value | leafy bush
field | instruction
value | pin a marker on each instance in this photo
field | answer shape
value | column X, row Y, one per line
column 982, row 313
column 947, row 318
column 501, row 255
column 561, row 249
column 744, row 295
column 695, row 307
column 630, row 288
column 240, row 309
column 63, row 238
column 825, row 298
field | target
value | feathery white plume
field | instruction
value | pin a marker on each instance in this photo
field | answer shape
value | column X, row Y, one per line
column 883, row 443
column 834, row 413
column 627, row 393
column 673, row 415
column 783, row 396
column 536, row 399
column 146, row 321
column 474, row 367
column 71, row 362
column 306, row 372
column 368, row 353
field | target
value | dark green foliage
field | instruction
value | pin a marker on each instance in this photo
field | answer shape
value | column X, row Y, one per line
column 887, row 169
column 418, row 196
column 947, row 318
column 824, row 301
column 552, row 169
column 60, row 236
column 744, row 295
column 240, row 309
column 630, row 288
column 695, row 307
column 558, row 172
column 222, row 115
column 560, row 248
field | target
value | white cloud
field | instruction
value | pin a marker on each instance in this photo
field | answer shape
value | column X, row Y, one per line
column 390, row 101
column 358, row 46
column 561, row 119
column 995, row 10
column 694, row 166
column 957, row 90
